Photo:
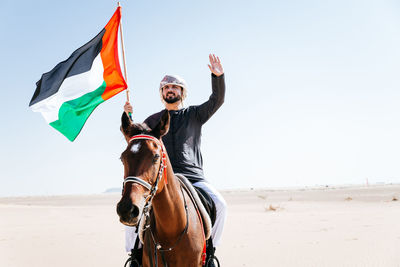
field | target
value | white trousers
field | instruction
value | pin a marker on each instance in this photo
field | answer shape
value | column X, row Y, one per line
column 216, row 233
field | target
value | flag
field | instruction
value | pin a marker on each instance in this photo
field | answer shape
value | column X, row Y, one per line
column 68, row 94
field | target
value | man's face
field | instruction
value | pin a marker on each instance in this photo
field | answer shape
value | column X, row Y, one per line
column 172, row 93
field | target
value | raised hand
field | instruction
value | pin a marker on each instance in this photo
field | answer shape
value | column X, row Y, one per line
column 215, row 65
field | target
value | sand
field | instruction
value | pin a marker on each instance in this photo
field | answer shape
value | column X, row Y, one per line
column 333, row 226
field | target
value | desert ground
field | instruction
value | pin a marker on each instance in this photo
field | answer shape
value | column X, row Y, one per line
column 318, row 226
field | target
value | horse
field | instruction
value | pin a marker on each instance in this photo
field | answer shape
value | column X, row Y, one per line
column 153, row 200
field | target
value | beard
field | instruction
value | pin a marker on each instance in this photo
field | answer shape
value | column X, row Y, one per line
column 170, row 98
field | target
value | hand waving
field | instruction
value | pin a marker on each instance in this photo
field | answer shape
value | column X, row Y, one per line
column 215, row 65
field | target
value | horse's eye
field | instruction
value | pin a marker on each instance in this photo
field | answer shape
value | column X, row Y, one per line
column 155, row 158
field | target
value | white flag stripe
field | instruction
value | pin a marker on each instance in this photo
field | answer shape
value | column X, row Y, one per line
column 72, row 88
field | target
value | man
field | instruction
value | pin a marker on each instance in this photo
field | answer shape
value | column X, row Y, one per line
column 184, row 137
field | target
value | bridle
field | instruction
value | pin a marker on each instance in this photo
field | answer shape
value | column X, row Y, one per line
column 162, row 172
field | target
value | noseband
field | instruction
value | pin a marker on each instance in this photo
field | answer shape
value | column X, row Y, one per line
column 161, row 172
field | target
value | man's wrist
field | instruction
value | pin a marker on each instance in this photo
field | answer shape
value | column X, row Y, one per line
column 214, row 75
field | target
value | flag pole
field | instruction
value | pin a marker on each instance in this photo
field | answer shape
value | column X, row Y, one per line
column 124, row 61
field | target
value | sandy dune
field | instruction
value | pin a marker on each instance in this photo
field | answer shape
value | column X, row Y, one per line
column 348, row 226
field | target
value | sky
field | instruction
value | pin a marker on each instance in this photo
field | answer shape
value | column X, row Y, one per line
column 312, row 90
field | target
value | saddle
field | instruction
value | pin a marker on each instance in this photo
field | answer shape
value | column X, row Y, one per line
column 202, row 201
column 208, row 203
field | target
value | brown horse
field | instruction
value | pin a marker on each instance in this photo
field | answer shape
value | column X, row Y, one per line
column 172, row 230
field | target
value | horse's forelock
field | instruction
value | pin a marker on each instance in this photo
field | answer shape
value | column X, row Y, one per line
column 139, row 128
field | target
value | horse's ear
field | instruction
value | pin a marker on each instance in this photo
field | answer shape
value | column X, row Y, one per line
column 125, row 125
column 162, row 127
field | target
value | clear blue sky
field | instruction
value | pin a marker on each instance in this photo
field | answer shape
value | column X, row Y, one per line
column 313, row 90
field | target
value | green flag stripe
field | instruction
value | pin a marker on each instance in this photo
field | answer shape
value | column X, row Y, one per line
column 73, row 114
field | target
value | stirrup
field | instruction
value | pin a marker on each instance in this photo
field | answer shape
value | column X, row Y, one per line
column 135, row 258
column 210, row 262
column 132, row 263
column 211, row 258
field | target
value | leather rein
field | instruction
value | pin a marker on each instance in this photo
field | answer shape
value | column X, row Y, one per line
column 162, row 173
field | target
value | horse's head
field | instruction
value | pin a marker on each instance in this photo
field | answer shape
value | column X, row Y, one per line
column 142, row 160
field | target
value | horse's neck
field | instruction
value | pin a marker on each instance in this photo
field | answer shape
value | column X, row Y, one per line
column 168, row 207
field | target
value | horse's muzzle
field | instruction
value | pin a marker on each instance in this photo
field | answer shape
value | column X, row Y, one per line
column 128, row 213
